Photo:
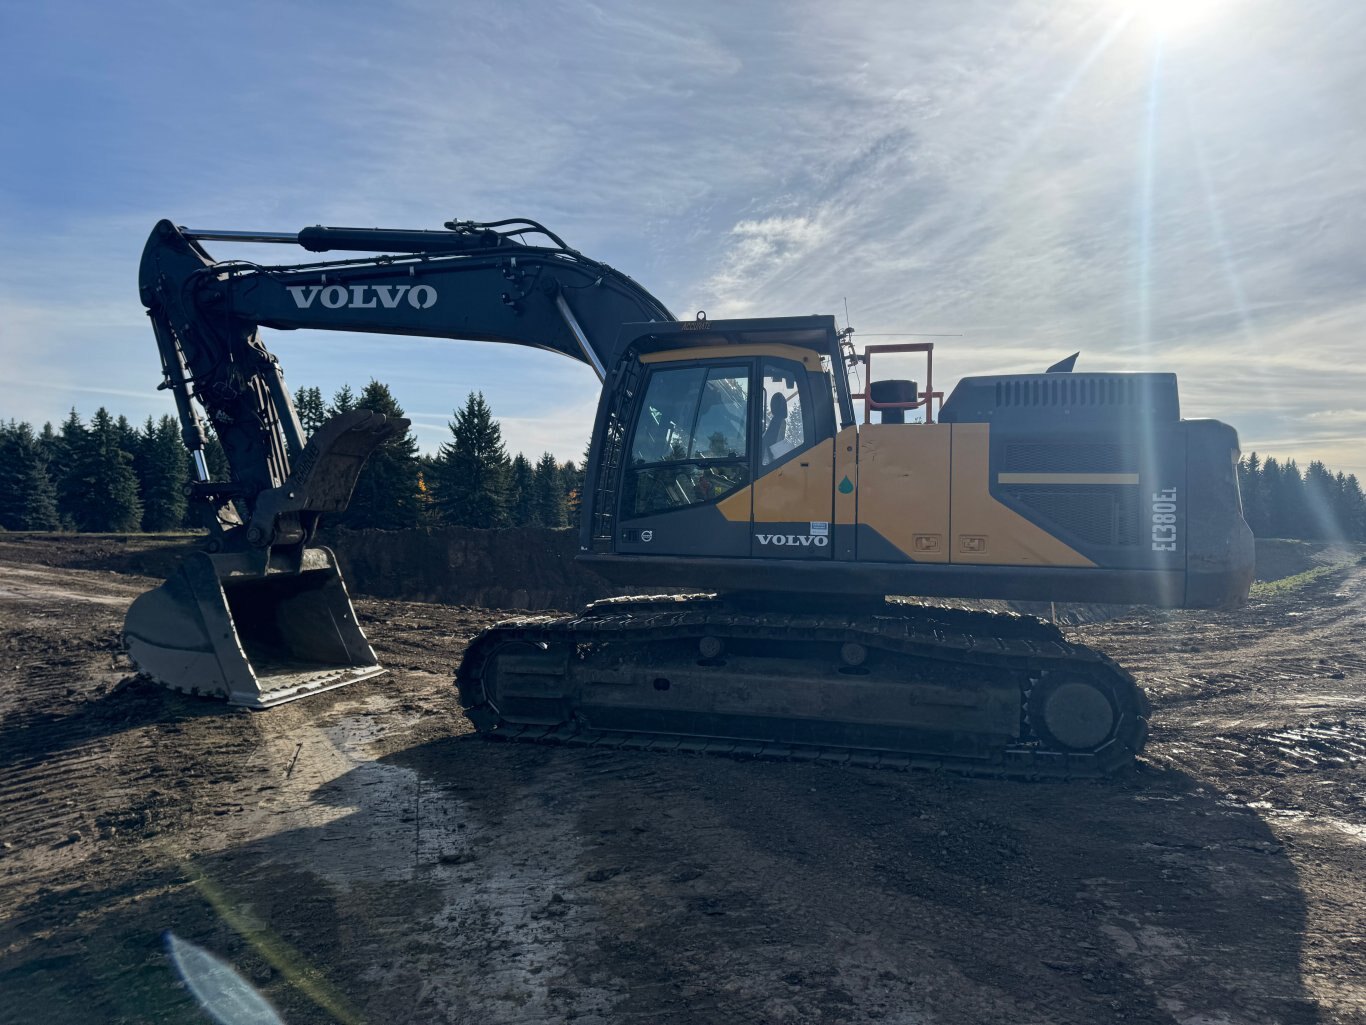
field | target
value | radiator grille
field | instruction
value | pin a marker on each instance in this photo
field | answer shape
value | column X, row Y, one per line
column 1069, row 390
column 1096, row 514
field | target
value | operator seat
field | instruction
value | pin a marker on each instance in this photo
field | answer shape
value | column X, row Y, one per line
column 776, row 431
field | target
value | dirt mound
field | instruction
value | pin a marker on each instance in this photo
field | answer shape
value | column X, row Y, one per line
column 144, row 555
column 518, row 568
column 1280, row 558
column 1277, row 559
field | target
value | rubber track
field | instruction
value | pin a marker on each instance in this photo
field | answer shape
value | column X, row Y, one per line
column 1003, row 641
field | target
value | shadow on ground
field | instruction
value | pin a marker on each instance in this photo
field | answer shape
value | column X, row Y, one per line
column 462, row 880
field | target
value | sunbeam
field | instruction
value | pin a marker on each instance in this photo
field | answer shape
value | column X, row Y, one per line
column 1267, row 392
column 1147, row 173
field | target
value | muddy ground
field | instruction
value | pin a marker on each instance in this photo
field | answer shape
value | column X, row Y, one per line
column 361, row 857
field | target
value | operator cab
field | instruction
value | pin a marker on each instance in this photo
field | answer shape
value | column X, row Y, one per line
column 716, row 415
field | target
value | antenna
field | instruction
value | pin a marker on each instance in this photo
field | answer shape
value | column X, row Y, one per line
column 846, row 314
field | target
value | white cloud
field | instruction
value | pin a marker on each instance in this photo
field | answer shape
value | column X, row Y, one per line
column 758, row 253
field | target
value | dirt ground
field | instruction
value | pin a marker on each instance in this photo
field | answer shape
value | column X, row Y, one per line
column 361, row 857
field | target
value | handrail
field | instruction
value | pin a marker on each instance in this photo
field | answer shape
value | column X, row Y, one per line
column 927, row 395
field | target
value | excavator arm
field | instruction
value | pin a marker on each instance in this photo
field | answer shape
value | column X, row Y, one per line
column 473, row 281
column 262, row 617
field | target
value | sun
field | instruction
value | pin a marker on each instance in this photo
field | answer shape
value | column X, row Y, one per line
column 1175, row 17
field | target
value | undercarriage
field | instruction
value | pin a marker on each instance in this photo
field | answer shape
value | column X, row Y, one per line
column 889, row 684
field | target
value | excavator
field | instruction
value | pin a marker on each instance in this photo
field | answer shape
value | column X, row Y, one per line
column 790, row 550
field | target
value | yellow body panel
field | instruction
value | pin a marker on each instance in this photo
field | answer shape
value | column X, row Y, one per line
column 739, row 506
column 924, row 488
column 846, row 466
column 903, row 486
column 799, row 489
column 984, row 530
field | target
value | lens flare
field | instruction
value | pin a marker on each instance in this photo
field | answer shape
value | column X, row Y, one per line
column 1176, row 17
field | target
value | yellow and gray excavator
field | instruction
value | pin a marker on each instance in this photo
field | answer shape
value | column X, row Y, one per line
column 727, row 459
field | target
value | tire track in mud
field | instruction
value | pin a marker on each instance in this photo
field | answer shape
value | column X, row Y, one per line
column 60, row 784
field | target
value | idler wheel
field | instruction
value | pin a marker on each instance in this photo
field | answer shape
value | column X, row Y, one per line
column 1072, row 714
column 853, row 654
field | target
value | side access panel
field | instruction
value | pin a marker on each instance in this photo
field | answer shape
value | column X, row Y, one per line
column 984, row 530
column 903, row 492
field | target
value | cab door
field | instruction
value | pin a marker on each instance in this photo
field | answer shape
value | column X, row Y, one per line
column 685, row 486
column 794, row 462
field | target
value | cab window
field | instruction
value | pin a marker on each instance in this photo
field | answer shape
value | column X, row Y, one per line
column 787, row 426
column 664, row 427
column 690, row 444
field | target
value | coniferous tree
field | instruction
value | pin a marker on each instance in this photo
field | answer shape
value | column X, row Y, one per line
column 571, row 480
column 127, row 436
column 28, row 501
column 576, row 501
column 164, row 469
column 49, row 444
column 99, row 484
column 386, row 495
column 1287, row 502
column 70, row 445
column 428, row 515
column 548, row 489
column 312, row 411
column 1320, row 504
column 343, row 401
column 1252, row 486
column 471, row 469
column 521, row 493
column 1271, row 484
column 142, row 467
column 1353, row 515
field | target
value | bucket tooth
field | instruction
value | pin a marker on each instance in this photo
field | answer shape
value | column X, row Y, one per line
column 255, row 639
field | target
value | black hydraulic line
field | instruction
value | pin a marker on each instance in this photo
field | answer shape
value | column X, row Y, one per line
column 536, row 227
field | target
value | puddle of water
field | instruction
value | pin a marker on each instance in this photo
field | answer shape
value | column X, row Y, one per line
column 510, row 912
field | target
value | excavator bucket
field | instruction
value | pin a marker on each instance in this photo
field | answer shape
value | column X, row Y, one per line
column 256, row 640
column 254, row 628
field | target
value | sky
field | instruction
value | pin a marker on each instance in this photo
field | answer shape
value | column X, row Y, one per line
column 1176, row 186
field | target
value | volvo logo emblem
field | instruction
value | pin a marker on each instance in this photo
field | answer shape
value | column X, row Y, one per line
column 363, row 297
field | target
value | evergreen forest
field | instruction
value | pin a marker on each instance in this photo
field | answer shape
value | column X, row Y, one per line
column 106, row 475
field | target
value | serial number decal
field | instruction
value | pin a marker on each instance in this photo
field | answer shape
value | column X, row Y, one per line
column 1164, row 520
